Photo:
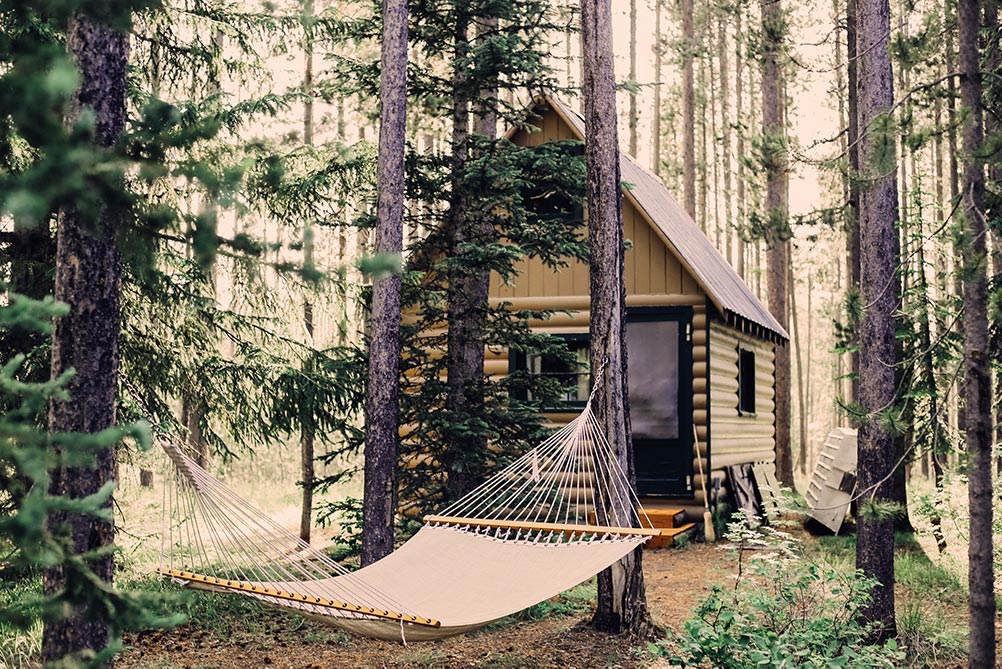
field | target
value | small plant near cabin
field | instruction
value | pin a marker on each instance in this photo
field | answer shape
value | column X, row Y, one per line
column 782, row 611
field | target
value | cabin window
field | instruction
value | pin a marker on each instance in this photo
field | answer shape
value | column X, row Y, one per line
column 572, row 376
column 746, row 381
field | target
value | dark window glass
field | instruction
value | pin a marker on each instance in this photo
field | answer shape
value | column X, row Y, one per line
column 652, row 348
column 746, row 381
column 573, row 377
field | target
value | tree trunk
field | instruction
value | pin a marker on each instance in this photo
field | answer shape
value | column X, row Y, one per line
column 977, row 367
column 468, row 288
column 843, row 121
column 739, row 111
column 725, row 128
column 688, row 111
column 801, row 376
column 633, row 78
column 381, row 410
column 879, row 246
column 777, row 212
column 808, row 394
column 714, row 137
column 659, row 51
column 992, row 128
column 950, row 19
column 852, row 213
column 88, row 280
column 937, row 435
column 622, row 602
column 307, row 431
column 904, row 373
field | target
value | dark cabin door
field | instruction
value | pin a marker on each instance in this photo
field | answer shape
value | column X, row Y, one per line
column 659, row 350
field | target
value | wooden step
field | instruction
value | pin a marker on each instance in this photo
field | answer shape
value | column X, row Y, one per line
column 666, row 517
column 668, row 536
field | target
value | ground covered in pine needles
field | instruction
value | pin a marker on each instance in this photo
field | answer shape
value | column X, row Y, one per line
column 225, row 631
column 241, row 633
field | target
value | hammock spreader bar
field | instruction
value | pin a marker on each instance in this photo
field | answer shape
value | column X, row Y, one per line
column 243, row 586
column 560, row 528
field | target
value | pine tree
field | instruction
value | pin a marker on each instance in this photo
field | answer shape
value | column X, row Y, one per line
column 622, row 603
column 85, row 340
column 777, row 212
column 688, row 48
column 381, row 411
column 879, row 287
column 977, row 372
column 853, row 251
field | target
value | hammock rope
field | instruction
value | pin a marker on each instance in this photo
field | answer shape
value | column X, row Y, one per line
column 552, row 518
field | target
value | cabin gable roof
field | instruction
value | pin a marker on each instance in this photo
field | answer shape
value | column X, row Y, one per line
column 683, row 237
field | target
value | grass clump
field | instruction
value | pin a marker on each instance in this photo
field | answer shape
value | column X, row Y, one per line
column 20, row 632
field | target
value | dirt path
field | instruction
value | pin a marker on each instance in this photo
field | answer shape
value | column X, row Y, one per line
column 675, row 580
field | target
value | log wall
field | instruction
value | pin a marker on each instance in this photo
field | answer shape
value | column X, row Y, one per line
column 738, row 438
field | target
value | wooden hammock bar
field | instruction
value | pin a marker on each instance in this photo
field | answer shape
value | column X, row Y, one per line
column 242, row 586
column 542, row 527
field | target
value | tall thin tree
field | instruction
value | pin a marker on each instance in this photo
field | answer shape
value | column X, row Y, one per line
column 88, row 280
column 977, row 370
column 725, row 128
column 633, row 78
column 853, row 253
column 307, row 431
column 688, row 110
column 739, row 63
column 622, row 602
column 878, row 215
column 381, row 411
column 469, row 282
column 659, row 53
column 777, row 213
column 993, row 126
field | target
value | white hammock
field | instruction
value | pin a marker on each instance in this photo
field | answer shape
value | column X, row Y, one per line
column 552, row 519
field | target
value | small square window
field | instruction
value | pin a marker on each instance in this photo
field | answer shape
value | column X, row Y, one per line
column 746, row 381
column 573, row 377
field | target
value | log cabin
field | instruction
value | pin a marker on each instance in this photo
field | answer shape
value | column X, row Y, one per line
column 701, row 346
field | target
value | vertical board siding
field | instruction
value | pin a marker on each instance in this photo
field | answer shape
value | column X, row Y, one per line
column 650, row 268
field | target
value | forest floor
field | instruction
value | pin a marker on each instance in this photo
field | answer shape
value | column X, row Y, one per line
column 552, row 634
column 226, row 632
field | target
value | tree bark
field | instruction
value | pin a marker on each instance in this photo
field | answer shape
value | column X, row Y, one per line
column 739, row 109
column 977, row 367
column 88, row 280
column 992, row 128
column 381, row 409
column 843, row 122
column 937, row 435
column 725, row 128
column 852, row 213
column 468, row 285
column 714, row 138
column 950, row 20
column 307, row 431
column 904, row 374
column 622, row 603
column 658, row 73
column 688, row 111
column 633, row 78
column 801, row 375
column 879, row 286
column 777, row 212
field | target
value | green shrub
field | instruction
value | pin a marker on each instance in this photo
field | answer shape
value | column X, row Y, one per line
column 782, row 611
